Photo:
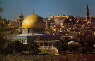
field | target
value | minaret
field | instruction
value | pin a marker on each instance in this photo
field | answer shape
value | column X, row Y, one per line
column 21, row 15
column 87, row 13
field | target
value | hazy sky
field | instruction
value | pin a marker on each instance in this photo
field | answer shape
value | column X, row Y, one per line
column 45, row 8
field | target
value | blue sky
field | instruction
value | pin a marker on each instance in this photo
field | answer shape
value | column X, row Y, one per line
column 45, row 8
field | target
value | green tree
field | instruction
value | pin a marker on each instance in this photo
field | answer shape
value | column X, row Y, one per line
column 2, row 43
column 74, row 48
column 32, row 48
column 8, row 49
column 87, row 46
column 18, row 46
column 13, row 47
column 62, row 45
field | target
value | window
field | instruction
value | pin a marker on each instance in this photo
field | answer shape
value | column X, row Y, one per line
column 41, row 44
column 50, row 43
column 45, row 44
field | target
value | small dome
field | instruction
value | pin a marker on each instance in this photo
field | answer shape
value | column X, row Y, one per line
column 33, row 21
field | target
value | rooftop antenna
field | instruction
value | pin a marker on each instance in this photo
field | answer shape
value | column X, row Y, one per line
column 33, row 11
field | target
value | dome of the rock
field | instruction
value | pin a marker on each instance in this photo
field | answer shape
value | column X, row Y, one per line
column 33, row 21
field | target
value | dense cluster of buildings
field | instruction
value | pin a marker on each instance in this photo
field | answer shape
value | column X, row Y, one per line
column 49, row 30
column 70, row 25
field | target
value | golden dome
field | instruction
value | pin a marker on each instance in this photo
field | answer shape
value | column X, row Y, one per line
column 33, row 21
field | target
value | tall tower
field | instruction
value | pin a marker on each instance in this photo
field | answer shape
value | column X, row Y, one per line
column 21, row 15
column 87, row 13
